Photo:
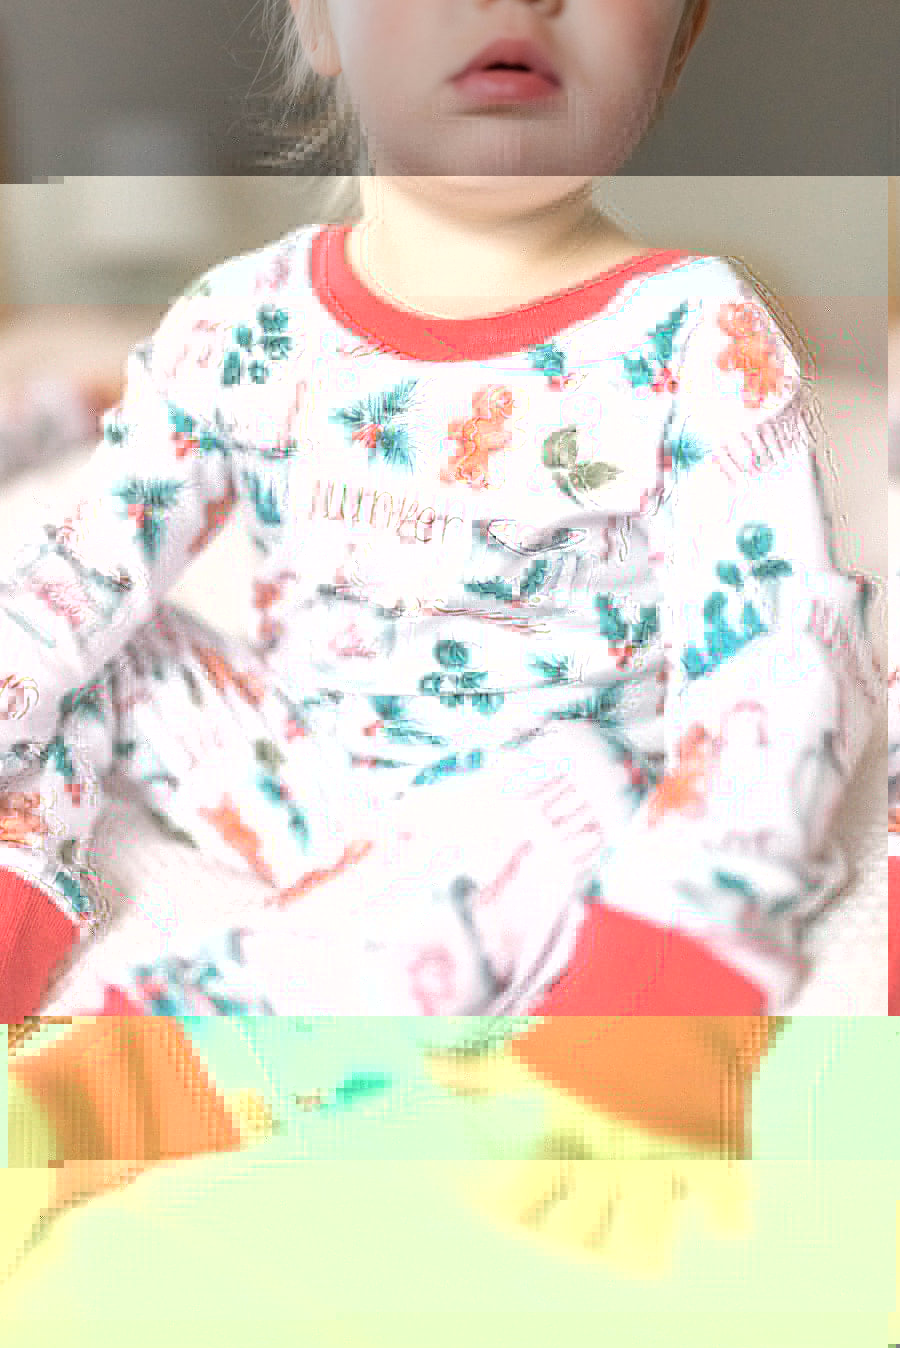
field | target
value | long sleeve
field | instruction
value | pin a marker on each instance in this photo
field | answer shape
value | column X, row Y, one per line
column 894, row 715
column 894, row 794
column 157, row 488
column 773, row 684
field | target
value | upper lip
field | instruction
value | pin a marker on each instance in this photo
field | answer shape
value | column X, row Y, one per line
column 510, row 51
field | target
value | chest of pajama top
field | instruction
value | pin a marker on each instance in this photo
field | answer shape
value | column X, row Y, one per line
column 457, row 531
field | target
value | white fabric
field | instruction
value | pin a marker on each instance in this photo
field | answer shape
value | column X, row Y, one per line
column 252, row 413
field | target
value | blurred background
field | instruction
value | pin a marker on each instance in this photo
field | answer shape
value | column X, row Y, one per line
column 894, row 344
column 124, row 87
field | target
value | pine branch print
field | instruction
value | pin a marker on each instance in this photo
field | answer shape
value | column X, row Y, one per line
column 146, row 502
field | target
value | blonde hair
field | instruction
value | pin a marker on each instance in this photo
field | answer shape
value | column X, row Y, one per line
column 318, row 131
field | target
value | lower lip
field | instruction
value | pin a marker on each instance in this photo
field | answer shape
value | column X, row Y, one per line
column 504, row 86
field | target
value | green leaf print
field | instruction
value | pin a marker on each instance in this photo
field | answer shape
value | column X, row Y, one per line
column 722, row 642
column 376, row 422
column 772, row 570
column 535, row 578
column 58, row 754
column 644, row 369
column 168, row 828
column 755, row 541
column 68, row 853
column 551, row 671
column 203, row 440
column 195, row 692
column 270, row 338
column 115, row 428
column 591, row 476
column 561, row 448
column 601, row 706
column 639, row 370
column 397, row 726
column 446, row 767
column 69, row 886
column 549, row 359
column 610, row 622
column 664, row 335
column 264, row 503
column 490, row 589
column 452, row 654
column 729, row 573
column 561, row 451
column 86, row 699
column 269, row 755
column 646, row 626
column 146, row 502
column 688, row 452
column 734, row 884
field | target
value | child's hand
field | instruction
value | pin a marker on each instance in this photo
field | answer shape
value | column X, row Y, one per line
column 595, row 1185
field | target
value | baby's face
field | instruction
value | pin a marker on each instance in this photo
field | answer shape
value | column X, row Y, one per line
column 401, row 58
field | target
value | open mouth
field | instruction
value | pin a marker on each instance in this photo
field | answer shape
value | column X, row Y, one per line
column 508, row 72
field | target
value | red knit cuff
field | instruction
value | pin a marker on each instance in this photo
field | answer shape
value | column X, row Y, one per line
column 624, row 965
column 894, row 936
column 34, row 937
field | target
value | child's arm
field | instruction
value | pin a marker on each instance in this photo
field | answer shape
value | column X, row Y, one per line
column 894, row 717
column 153, row 494
column 773, row 683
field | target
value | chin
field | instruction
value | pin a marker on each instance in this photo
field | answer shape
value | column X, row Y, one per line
column 506, row 183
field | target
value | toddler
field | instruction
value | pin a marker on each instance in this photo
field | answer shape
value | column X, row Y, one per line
column 894, row 697
column 557, row 684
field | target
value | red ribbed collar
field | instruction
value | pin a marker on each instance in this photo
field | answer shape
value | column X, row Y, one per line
column 420, row 337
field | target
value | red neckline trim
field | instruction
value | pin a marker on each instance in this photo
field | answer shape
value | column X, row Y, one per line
column 419, row 337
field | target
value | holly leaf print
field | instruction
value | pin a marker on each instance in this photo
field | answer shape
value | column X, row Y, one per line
column 552, row 671
column 663, row 338
column 688, row 452
column 264, row 503
column 643, row 370
column 639, row 370
column 548, row 358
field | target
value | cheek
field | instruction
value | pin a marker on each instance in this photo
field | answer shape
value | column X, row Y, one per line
column 375, row 37
column 639, row 36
